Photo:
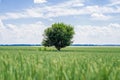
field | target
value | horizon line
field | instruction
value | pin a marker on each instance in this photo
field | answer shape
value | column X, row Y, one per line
column 20, row 44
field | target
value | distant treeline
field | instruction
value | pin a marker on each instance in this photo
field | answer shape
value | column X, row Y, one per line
column 20, row 45
column 71, row 45
column 95, row 45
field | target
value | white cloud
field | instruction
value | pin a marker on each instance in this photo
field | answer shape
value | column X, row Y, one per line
column 57, row 11
column 28, row 13
column 70, row 3
column 1, row 23
column 40, row 1
column 108, row 34
column 32, row 33
column 33, row 13
column 66, row 8
column 101, row 9
column 114, row 3
column 99, row 16
column 23, row 33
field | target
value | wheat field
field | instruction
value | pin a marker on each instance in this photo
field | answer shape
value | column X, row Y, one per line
column 71, row 63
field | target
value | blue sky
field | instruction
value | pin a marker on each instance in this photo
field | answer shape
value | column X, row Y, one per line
column 94, row 21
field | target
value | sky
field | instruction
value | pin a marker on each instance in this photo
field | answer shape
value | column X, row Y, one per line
column 94, row 21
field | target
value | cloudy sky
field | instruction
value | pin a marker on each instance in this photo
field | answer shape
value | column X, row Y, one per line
column 94, row 21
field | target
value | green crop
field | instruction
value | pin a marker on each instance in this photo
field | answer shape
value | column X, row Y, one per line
column 71, row 63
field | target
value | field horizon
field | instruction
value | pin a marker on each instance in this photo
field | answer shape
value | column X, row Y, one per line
column 70, row 45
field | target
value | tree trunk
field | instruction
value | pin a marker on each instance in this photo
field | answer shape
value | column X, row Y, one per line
column 58, row 48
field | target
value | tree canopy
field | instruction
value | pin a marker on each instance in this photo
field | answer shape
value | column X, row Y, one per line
column 59, row 35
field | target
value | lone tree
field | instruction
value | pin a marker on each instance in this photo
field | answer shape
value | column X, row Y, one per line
column 59, row 35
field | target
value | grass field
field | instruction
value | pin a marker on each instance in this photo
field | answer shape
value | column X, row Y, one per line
column 71, row 63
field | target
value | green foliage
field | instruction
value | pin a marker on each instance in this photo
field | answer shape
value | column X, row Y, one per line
column 73, row 63
column 59, row 35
